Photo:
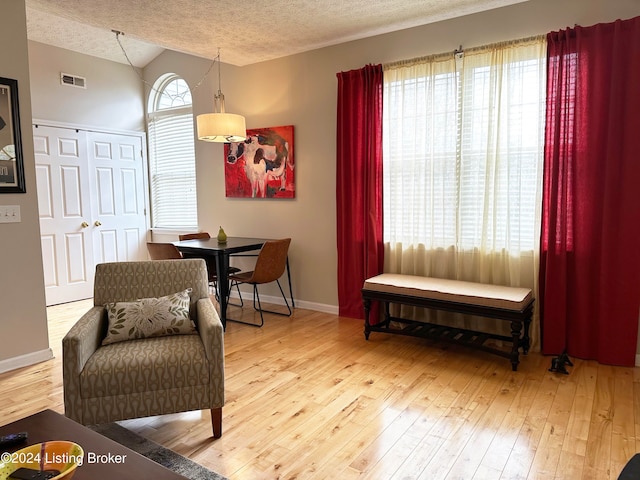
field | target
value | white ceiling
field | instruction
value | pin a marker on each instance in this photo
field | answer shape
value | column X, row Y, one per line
column 245, row 31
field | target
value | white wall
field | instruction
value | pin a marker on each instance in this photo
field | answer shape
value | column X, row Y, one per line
column 112, row 99
column 23, row 321
column 301, row 90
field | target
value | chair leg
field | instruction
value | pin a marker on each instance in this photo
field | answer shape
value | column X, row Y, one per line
column 239, row 294
column 216, row 422
column 214, row 286
column 241, row 304
column 260, row 309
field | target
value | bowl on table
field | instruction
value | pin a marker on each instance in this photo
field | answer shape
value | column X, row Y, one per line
column 58, row 455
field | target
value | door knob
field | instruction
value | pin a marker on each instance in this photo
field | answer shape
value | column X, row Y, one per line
column 84, row 224
column 97, row 223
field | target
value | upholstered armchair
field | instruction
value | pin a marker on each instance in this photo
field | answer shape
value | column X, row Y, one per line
column 115, row 371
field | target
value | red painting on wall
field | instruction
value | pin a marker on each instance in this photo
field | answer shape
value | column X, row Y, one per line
column 262, row 166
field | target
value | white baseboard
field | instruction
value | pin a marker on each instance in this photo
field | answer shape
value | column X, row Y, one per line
column 277, row 300
column 25, row 360
column 637, row 360
column 318, row 307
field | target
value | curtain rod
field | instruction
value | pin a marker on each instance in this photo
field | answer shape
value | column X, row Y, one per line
column 448, row 55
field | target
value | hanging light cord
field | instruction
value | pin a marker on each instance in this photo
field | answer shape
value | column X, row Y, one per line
column 216, row 59
column 218, row 98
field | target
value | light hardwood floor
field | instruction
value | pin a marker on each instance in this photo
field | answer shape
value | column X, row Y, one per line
column 308, row 398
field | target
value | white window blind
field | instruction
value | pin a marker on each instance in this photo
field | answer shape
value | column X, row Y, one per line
column 463, row 144
column 172, row 157
column 173, row 173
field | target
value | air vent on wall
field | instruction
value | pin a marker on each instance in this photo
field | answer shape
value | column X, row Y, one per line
column 73, row 80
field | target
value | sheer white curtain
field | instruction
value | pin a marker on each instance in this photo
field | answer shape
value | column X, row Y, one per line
column 463, row 155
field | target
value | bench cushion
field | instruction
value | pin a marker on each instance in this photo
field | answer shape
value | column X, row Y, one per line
column 495, row 296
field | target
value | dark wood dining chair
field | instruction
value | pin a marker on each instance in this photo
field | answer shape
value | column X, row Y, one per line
column 163, row 251
column 211, row 267
column 269, row 267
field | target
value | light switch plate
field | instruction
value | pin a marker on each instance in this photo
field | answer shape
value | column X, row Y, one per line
column 10, row 213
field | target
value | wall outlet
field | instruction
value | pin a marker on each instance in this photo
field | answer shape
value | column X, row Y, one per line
column 10, row 213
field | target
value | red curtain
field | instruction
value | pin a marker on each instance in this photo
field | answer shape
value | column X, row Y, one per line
column 590, row 259
column 359, row 184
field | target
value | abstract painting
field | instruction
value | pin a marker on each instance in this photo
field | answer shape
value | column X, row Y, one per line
column 262, row 166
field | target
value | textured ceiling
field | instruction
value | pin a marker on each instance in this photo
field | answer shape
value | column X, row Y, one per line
column 245, row 31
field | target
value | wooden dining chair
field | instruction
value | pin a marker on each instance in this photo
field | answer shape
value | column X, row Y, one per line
column 163, row 251
column 211, row 267
column 269, row 267
column 194, row 236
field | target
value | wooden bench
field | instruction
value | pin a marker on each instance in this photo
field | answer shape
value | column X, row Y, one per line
column 511, row 304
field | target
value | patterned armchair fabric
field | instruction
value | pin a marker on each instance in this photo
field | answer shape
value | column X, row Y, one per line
column 150, row 376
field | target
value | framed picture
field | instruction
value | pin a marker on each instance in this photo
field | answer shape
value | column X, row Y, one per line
column 11, row 162
column 262, row 166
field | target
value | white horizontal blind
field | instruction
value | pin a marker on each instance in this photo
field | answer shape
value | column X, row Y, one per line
column 502, row 138
column 172, row 160
column 463, row 145
column 173, row 173
column 420, row 145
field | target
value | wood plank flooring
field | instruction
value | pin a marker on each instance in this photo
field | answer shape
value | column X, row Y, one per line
column 308, row 398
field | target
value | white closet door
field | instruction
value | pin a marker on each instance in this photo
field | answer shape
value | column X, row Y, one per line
column 118, row 192
column 64, row 204
column 91, row 196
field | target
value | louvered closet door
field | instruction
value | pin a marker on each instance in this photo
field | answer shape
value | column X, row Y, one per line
column 91, row 194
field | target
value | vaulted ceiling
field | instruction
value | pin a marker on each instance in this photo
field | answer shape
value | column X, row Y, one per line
column 245, row 31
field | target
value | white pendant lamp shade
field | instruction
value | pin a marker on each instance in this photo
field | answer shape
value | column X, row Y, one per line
column 221, row 127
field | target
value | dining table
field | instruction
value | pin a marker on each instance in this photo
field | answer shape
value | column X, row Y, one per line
column 220, row 252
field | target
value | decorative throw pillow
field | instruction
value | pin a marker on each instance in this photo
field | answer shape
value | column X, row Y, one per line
column 149, row 317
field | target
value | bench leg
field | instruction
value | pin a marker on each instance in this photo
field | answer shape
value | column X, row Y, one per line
column 516, row 331
column 387, row 314
column 526, row 341
column 367, row 308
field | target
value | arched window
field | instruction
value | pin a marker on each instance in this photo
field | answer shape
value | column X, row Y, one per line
column 172, row 163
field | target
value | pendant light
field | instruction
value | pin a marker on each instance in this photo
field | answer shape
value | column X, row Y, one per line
column 221, row 126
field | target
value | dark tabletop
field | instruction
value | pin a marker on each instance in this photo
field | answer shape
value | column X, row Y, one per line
column 211, row 245
column 49, row 425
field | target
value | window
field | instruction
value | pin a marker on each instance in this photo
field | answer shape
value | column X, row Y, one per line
column 463, row 149
column 172, row 155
